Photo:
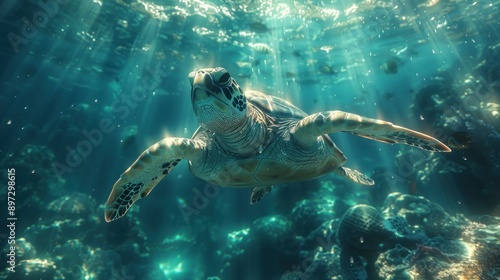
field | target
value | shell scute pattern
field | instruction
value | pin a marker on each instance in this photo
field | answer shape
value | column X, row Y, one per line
column 270, row 170
column 273, row 106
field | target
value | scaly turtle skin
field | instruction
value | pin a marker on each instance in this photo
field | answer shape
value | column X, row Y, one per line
column 250, row 139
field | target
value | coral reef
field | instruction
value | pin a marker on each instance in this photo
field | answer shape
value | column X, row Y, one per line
column 73, row 233
column 409, row 237
column 39, row 183
column 270, row 237
column 464, row 112
column 308, row 214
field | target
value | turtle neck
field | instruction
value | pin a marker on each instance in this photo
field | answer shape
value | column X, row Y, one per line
column 248, row 137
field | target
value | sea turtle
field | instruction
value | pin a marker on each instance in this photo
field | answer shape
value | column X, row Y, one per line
column 250, row 139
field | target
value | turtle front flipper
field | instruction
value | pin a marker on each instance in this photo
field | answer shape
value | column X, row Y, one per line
column 145, row 173
column 309, row 128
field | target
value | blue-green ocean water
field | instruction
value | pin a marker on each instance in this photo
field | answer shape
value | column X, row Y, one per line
column 86, row 86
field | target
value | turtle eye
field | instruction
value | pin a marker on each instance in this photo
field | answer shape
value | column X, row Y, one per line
column 224, row 78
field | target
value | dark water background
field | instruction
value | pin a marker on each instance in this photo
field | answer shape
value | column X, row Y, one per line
column 117, row 71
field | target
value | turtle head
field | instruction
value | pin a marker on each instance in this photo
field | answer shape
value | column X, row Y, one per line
column 218, row 101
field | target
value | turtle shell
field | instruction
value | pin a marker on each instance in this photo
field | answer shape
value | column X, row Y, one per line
column 273, row 106
column 362, row 227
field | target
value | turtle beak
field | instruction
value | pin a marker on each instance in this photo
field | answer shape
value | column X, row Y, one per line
column 191, row 77
column 198, row 91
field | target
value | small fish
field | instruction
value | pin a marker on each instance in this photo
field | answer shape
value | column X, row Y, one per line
column 389, row 67
column 327, row 70
column 460, row 140
column 123, row 23
column 261, row 48
column 259, row 27
column 243, row 64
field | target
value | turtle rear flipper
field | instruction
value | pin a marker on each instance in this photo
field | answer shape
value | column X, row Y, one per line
column 312, row 126
column 258, row 193
column 147, row 171
column 354, row 175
